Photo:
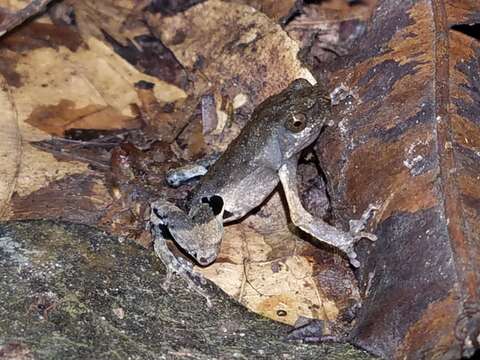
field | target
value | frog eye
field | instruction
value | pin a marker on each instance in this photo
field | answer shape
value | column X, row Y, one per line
column 296, row 123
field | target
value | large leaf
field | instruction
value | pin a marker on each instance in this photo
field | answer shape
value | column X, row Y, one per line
column 408, row 137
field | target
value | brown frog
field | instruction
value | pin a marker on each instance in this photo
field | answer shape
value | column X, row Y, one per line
column 264, row 154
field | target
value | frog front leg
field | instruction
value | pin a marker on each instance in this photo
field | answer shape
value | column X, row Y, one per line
column 181, row 175
column 317, row 227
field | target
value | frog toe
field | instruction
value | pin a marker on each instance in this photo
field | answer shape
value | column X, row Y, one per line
column 367, row 235
column 355, row 263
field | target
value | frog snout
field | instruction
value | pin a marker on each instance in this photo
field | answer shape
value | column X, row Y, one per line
column 205, row 260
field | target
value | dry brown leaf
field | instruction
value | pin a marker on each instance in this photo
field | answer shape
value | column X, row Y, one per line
column 408, row 138
column 166, row 121
column 235, row 53
column 282, row 288
column 120, row 19
column 277, row 10
column 92, row 78
column 57, row 119
column 120, row 24
column 239, row 51
column 273, row 272
column 14, row 5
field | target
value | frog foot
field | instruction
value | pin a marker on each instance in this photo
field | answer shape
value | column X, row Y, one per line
column 356, row 233
column 313, row 332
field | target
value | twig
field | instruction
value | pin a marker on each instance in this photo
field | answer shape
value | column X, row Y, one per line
column 13, row 20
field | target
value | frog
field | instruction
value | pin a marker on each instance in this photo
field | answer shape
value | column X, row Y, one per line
column 264, row 155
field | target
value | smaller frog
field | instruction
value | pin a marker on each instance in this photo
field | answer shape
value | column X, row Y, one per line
column 264, row 154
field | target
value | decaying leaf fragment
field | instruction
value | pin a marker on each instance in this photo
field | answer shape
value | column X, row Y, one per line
column 408, row 137
column 121, row 25
column 120, row 19
column 68, row 88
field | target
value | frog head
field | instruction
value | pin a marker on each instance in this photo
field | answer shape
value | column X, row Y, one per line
column 294, row 117
column 306, row 108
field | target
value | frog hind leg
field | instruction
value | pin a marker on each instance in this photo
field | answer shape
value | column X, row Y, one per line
column 162, row 214
column 317, row 227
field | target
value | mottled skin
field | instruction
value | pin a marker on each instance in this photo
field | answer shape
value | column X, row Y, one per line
column 247, row 172
column 265, row 153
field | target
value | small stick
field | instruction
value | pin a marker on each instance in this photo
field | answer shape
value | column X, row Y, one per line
column 13, row 20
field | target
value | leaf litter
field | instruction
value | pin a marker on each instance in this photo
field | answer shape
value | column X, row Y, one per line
column 93, row 135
